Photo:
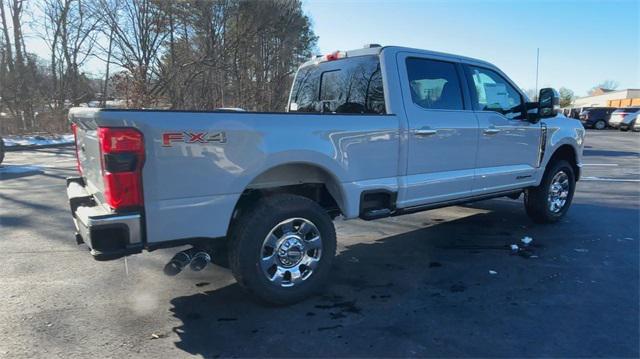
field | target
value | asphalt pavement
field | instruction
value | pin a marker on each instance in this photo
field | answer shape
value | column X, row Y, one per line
column 441, row 283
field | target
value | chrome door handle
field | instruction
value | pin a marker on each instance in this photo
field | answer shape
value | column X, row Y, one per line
column 424, row 133
column 491, row 131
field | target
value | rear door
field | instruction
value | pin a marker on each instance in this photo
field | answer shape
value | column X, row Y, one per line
column 509, row 145
column 443, row 131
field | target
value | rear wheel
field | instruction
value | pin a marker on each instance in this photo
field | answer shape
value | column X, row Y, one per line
column 548, row 202
column 282, row 250
column 600, row 125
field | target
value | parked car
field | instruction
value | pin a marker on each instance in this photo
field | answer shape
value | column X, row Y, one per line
column 629, row 121
column 632, row 121
column 575, row 112
column 596, row 117
column 369, row 133
column 636, row 125
column 621, row 118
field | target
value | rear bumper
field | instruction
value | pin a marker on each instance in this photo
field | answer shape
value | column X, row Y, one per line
column 108, row 235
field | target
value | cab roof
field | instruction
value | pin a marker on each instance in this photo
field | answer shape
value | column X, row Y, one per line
column 374, row 49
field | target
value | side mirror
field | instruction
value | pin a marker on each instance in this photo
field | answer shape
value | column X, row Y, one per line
column 548, row 103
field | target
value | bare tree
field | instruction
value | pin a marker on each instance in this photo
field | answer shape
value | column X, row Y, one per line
column 138, row 29
column 188, row 54
column 566, row 97
column 17, row 72
column 605, row 85
column 235, row 53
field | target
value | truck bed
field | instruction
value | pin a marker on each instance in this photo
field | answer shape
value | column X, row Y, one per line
column 197, row 164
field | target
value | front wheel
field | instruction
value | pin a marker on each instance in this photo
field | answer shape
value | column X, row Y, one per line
column 600, row 125
column 282, row 250
column 548, row 202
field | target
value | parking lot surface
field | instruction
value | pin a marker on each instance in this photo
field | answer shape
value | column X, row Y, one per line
column 440, row 283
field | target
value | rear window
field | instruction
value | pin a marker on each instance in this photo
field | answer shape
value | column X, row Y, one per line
column 351, row 85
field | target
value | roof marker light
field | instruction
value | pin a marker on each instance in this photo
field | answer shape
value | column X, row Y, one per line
column 334, row 56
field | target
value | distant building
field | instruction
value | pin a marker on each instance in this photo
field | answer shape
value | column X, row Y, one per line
column 609, row 98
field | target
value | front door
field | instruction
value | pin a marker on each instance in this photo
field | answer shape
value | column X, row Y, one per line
column 443, row 131
column 508, row 146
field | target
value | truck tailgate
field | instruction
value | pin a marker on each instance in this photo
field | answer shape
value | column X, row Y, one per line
column 88, row 149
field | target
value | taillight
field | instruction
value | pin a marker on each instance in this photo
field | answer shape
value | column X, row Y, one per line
column 74, row 129
column 122, row 151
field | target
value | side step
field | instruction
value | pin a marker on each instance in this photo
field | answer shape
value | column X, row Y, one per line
column 376, row 214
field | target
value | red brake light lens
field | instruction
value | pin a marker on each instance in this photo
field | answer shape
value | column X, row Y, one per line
column 122, row 158
column 118, row 140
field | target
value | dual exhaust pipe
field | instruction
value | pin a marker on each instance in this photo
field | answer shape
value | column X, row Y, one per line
column 196, row 259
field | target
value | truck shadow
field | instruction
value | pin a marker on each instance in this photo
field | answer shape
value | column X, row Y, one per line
column 448, row 289
column 606, row 153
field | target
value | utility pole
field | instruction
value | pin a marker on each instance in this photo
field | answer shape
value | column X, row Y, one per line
column 537, row 67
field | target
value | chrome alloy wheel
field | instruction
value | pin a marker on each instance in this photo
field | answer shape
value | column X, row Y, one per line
column 558, row 192
column 291, row 252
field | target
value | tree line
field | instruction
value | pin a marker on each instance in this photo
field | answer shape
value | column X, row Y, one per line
column 190, row 54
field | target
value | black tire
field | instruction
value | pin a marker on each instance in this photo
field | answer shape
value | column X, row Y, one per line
column 536, row 199
column 600, row 125
column 1, row 150
column 250, row 232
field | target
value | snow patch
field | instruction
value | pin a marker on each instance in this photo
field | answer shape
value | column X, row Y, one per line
column 38, row 140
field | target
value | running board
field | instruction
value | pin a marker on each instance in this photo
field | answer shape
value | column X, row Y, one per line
column 376, row 213
column 386, row 212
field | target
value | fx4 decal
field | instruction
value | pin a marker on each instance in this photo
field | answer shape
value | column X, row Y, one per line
column 192, row 137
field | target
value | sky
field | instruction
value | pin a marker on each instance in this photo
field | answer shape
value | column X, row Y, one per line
column 582, row 43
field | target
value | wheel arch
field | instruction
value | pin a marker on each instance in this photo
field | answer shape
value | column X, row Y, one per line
column 568, row 153
column 306, row 179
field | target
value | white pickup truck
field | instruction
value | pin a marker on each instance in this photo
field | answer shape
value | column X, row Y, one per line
column 368, row 133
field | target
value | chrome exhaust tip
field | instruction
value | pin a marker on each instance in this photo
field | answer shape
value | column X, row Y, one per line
column 200, row 261
column 177, row 263
column 195, row 258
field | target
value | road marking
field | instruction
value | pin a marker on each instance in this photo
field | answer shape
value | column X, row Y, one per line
column 601, row 179
column 601, row 164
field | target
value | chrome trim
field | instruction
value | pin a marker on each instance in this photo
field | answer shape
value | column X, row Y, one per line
column 543, row 143
column 453, row 202
column 558, row 192
column 95, row 217
column 291, row 252
column 424, row 133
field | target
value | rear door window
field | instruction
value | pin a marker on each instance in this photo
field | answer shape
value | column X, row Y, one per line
column 434, row 84
column 304, row 94
column 350, row 85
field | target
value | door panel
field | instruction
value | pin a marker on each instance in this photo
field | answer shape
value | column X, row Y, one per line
column 508, row 145
column 507, row 153
column 443, row 135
